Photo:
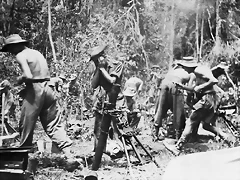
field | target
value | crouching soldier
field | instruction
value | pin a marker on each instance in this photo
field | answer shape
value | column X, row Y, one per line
column 132, row 88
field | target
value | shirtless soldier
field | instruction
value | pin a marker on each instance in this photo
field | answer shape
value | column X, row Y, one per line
column 39, row 99
column 171, row 98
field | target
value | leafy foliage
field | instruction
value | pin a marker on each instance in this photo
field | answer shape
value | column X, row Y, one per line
column 138, row 32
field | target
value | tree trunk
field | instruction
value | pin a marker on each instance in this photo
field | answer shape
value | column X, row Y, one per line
column 201, row 43
column 172, row 35
column 218, row 26
column 197, row 31
column 50, row 31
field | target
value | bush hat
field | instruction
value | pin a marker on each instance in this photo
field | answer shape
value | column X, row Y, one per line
column 97, row 50
column 188, row 62
column 12, row 39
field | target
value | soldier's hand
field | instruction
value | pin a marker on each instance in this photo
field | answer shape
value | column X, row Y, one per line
column 103, row 64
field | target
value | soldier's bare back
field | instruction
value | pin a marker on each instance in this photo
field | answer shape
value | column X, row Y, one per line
column 33, row 64
column 178, row 75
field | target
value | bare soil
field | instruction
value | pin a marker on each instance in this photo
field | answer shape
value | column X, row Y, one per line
column 117, row 169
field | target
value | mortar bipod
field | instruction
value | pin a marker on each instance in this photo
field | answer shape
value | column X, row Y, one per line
column 127, row 135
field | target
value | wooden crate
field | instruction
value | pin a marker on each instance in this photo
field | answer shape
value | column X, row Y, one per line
column 13, row 163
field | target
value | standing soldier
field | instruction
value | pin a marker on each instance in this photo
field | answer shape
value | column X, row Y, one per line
column 74, row 86
column 39, row 99
column 172, row 98
column 57, row 84
column 107, row 76
column 74, row 94
column 155, row 80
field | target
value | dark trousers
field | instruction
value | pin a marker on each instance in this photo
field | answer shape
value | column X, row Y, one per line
column 170, row 99
column 203, row 113
column 40, row 101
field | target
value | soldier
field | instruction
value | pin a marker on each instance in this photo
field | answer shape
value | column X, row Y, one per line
column 74, row 86
column 133, row 86
column 222, row 69
column 208, row 99
column 107, row 74
column 172, row 98
column 57, row 84
column 154, row 80
column 39, row 99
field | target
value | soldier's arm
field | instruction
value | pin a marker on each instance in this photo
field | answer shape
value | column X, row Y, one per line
column 116, row 73
column 26, row 72
column 190, row 83
column 192, row 80
column 111, row 79
column 184, row 87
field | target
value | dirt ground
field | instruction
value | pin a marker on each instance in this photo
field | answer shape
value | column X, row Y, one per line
column 117, row 169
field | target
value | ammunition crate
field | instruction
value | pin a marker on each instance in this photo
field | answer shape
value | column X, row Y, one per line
column 13, row 163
